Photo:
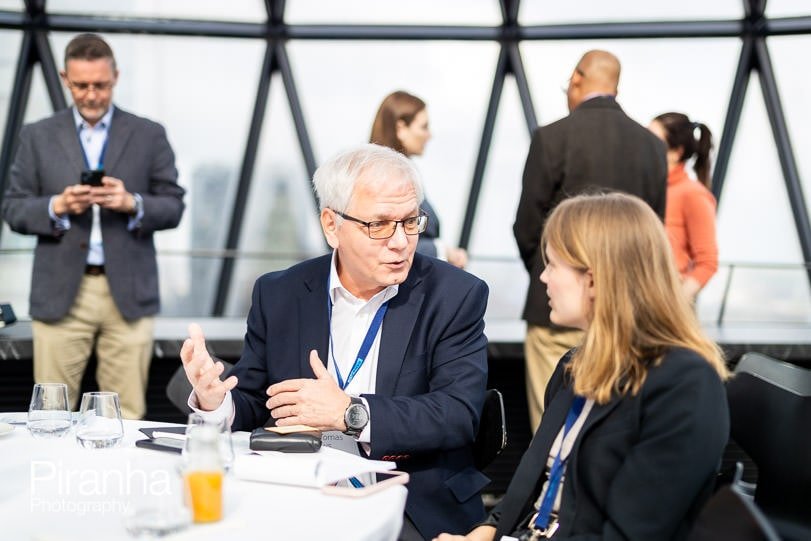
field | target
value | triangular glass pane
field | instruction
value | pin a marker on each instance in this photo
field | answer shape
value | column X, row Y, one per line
column 455, row 12
column 15, row 265
column 494, row 255
column 9, row 53
column 206, row 113
column 280, row 226
column 795, row 87
column 647, row 88
column 757, row 237
column 233, row 10
column 340, row 101
column 787, row 8
column 594, row 11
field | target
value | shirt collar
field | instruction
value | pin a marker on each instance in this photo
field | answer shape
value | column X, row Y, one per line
column 81, row 123
column 335, row 285
column 592, row 95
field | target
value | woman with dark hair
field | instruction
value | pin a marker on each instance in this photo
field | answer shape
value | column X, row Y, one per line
column 401, row 123
column 636, row 416
column 690, row 211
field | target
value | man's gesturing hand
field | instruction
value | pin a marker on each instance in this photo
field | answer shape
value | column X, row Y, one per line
column 203, row 373
column 318, row 402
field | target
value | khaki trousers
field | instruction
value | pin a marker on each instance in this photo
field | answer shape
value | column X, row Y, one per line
column 543, row 348
column 123, row 348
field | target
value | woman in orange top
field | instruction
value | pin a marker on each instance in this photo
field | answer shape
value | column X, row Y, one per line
column 690, row 212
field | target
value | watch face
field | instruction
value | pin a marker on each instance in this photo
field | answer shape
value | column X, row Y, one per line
column 356, row 416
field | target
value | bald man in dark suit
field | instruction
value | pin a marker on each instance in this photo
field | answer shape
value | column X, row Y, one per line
column 596, row 148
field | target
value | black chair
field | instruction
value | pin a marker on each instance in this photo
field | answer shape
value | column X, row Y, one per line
column 178, row 389
column 732, row 515
column 770, row 410
column 492, row 436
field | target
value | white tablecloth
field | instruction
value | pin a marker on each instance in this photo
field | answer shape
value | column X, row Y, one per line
column 54, row 490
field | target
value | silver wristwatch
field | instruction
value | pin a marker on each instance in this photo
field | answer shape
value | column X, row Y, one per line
column 356, row 417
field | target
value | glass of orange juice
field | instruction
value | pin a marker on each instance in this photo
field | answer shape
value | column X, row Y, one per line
column 203, row 476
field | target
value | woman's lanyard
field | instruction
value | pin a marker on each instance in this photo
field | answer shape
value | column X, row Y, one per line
column 368, row 340
column 558, row 466
column 100, row 165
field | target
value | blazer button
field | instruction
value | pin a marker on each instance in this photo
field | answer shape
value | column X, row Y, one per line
column 82, row 245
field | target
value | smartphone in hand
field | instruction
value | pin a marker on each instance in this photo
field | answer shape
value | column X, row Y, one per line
column 92, row 177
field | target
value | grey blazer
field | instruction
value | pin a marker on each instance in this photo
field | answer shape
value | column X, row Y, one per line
column 48, row 159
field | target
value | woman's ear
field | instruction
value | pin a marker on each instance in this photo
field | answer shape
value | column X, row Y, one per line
column 590, row 284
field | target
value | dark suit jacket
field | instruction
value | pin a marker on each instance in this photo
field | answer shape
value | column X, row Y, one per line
column 596, row 147
column 49, row 158
column 431, row 376
column 641, row 467
column 426, row 245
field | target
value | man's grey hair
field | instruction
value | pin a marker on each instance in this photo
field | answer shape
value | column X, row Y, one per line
column 335, row 180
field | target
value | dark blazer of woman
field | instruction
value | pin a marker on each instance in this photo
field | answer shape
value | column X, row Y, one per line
column 641, row 467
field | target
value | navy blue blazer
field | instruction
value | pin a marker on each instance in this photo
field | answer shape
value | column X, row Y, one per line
column 431, row 376
column 641, row 467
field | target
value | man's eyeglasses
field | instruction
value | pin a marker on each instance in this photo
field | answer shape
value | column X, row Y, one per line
column 85, row 87
column 384, row 229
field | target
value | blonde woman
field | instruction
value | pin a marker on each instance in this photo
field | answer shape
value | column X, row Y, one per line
column 639, row 405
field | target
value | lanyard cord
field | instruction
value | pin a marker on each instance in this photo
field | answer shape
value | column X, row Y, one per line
column 368, row 340
column 558, row 466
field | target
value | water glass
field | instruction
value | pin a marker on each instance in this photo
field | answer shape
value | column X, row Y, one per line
column 48, row 413
column 99, row 423
column 226, row 446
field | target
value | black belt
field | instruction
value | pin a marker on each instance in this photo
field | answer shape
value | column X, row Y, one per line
column 94, row 270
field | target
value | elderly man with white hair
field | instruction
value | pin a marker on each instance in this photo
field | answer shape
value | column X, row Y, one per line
column 379, row 345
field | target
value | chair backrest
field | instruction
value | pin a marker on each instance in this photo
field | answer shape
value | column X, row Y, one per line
column 178, row 389
column 730, row 514
column 492, row 436
column 770, row 409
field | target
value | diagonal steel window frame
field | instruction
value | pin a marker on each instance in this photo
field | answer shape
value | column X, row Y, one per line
column 753, row 29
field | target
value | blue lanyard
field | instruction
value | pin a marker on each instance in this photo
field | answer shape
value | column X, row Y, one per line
column 100, row 165
column 368, row 340
column 558, row 467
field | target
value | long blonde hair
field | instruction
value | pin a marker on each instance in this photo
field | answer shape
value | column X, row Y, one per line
column 639, row 310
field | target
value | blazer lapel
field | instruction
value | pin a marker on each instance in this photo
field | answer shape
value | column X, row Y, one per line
column 120, row 131
column 313, row 321
column 533, row 464
column 68, row 137
column 398, row 325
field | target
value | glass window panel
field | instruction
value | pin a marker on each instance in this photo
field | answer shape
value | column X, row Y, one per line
column 280, row 225
column 494, row 255
column 15, row 265
column 787, row 54
column 206, row 113
column 754, row 187
column 592, row 11
column 12, row 5
column 787, row 8
column 455, row 12
column 9, row 52
column 654, row 77
column 454, row 79
column 234, row 10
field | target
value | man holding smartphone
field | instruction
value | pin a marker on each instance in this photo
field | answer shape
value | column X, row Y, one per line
column 94, row 183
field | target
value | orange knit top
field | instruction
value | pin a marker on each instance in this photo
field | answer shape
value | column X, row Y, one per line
column 690, row 224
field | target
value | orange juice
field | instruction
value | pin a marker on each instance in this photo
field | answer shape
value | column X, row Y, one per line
column 204, row 489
